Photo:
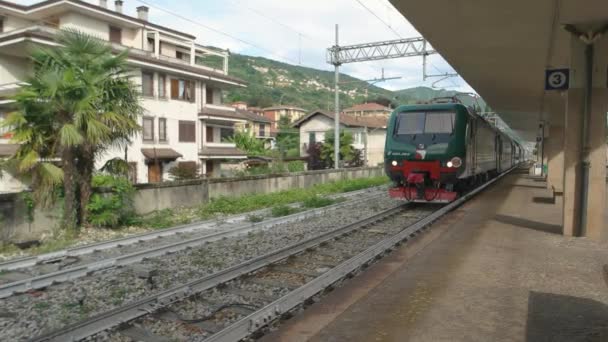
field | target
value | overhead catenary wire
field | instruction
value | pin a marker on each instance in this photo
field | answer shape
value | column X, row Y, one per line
column 395, row 32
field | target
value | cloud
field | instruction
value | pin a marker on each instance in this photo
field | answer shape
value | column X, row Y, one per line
column 295, row 31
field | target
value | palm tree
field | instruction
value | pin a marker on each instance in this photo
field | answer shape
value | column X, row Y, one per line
column 79, row 102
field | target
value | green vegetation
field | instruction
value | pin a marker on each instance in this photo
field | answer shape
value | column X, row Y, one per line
column 112, row 203
column 347, row 152
column 245, row 141
column 185, row 171
column 296, row 166
column 274, row 83
column 310, row 196
column 318, row 202
column 282, row 210
column 79, row 102
column 255, row 218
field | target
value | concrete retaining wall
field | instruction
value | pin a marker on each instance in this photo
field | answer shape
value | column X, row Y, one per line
column 14, row 225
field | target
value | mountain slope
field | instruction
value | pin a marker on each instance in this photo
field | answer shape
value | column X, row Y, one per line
column 273, row 83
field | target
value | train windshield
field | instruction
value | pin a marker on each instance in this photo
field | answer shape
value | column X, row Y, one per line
column 416, row 123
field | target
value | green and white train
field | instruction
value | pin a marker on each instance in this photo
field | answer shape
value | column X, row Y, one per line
column 434, row 152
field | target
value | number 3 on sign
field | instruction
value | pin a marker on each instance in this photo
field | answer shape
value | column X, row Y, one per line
column 557, row 79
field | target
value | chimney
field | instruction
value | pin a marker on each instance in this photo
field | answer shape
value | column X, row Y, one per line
column 118, row 5
column 103, row 3
column 142, row 13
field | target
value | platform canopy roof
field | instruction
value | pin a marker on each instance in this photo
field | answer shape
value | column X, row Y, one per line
column 502, row 48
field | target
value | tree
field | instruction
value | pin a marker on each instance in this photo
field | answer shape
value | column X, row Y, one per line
column 288, row 138
column 245, row 141
column 79, row 102
column 347, row 152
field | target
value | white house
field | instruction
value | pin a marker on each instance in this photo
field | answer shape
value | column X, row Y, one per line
column 184, row 121
column 369, row 133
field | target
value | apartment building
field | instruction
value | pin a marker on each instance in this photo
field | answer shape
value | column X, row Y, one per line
column 257, row 124
column 181, row 81
column 275, row 113
column 369, row 109
column 369, row 133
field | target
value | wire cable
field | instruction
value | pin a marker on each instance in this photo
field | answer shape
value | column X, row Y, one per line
column 207, row 27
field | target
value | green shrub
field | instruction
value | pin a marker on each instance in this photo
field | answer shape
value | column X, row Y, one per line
column 295, row 166
column 255, row 218
column 185, row 171
column 111, row 204
column 317, row 202
column 282, row 210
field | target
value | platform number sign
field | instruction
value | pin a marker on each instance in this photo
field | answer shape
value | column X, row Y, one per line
column 557, row 79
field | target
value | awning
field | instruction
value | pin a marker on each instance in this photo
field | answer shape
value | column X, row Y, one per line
column 160, row 153
column 8, row 150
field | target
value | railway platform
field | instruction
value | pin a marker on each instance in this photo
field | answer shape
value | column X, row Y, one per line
column 496, row 269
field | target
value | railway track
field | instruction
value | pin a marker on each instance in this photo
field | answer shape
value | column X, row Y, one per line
column 239, row 301
column 47, row 269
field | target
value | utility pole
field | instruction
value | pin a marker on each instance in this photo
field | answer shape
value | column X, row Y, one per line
column 337, row 106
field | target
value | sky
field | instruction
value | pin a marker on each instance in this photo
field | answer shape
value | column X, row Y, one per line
column 299, row 32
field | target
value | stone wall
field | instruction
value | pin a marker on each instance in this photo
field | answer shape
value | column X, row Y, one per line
column 15, row 226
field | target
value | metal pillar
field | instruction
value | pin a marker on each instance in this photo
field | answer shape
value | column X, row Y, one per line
column 337, row 110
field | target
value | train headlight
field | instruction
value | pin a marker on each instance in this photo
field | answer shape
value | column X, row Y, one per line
column 456, row 162
column 394, row 163
column 449, row 164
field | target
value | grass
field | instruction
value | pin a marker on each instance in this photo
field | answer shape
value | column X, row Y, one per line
column 311, row 197
column 318, row 202
column 282, row 210
column 255, row 218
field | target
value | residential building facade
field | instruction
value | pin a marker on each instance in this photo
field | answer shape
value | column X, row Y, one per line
column 275, row 113
column 181, row 81
column 257, row 124
column 369, row 133
column 369, row 109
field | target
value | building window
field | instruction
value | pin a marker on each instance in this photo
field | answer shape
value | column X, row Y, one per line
column 262, row 130
column 151, row 45
column 115, row 35
column 162, row 129
column 312, row 139
column 358, row 138
column 209, row 134
column 187, row 131
column 147, row 84
column 162, row 84
column 179, row 55
column 182, row 90
column 1, row 25
column 148, row 129
column 226, row 134
column 209, row 95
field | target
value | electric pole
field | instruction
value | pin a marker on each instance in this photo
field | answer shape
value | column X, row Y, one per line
column 337, row 108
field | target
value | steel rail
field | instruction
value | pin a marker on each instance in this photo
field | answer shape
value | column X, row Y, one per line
column 71, row 273
column 129, row 312
column 24, row 262
column 253, row 322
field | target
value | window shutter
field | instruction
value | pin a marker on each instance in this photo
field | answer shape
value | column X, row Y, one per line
column 115, row 35
column 187, row 131
column 174, row 89
column 209, row 95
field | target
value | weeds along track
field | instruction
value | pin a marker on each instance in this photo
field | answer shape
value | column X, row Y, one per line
column 77, row 262
column 77, row 251
column 30, row 314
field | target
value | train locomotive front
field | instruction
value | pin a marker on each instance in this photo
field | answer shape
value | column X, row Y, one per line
column 426, row 152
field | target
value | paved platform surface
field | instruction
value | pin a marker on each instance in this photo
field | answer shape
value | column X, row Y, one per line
column 497, row 269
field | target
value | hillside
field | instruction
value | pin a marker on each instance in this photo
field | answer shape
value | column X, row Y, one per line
column 272, row 83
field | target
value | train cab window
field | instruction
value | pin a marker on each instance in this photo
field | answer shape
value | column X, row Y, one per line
column 411, row 123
